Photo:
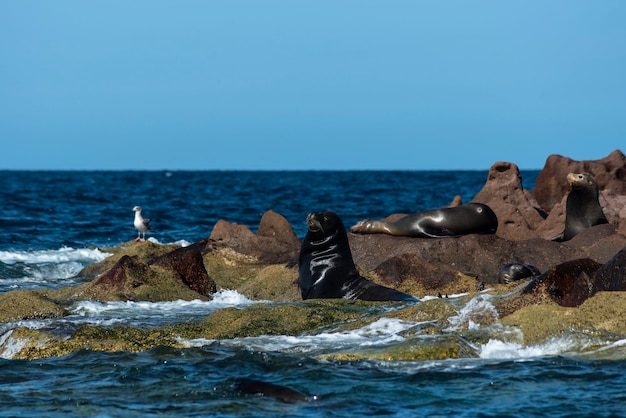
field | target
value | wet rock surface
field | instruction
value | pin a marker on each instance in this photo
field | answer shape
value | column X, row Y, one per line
column 582, row 285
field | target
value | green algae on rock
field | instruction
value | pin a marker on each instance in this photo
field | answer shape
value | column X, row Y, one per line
column 28, row 304
column 605, row 311
column 145, row 250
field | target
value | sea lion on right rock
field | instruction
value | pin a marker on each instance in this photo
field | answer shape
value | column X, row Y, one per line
column 582, row 208
column 472, row 218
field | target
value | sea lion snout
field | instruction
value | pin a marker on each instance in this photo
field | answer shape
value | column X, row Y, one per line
column 313, row 223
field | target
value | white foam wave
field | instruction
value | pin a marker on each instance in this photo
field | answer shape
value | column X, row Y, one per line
column 496, row 349
column 380, row 333
column 62, row 255
column 453, row 296
column 155, row 312
column 10, row 346
column 477, row 310
column 181, row 242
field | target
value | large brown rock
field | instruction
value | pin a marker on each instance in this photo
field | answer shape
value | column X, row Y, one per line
column 275, row 243
column 551, row 185
column 133, row 279
column 187, row 264
column 612, row 276
column 568, row 284
column 434, row 262
column 473, row 255
column 541, row 213
column 517, row 212
column 573, row 282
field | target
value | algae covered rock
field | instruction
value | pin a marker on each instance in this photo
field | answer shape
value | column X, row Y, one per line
column 144, row 250
column 28, row 304
column 602, row 313
column 133, row 279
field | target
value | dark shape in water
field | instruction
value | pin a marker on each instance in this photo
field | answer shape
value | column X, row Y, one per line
column 259, row 387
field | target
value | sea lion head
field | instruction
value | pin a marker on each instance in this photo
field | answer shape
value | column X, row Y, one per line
column 582, row 181
column 323, row 224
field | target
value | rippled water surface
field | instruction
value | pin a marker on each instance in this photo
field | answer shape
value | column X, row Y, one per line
column 54, row 223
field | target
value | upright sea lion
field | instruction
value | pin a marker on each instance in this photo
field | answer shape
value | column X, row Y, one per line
column 471, row 218
column 582, row 208
column 327, row 270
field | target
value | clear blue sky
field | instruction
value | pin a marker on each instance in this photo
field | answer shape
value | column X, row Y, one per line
column 309, row 84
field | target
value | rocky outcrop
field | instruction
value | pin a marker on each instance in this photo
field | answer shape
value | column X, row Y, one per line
column 276, row 242
column 583, row 282
column 187, row 264
column 568, row 284
column 179, row 274
column 517, row 212
column 436, row 261
column 551, row 185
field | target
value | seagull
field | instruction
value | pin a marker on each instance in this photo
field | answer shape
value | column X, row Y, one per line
column 142, row 225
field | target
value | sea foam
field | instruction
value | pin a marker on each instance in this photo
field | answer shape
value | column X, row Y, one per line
column 568, row 343
column 479, row 309
column 62, row 255
column 155, row 313
column 379, row 333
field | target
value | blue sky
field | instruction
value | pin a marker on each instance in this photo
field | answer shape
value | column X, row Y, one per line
column 309, row 85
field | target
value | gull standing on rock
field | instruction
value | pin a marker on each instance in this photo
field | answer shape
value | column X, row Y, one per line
column 142, row 225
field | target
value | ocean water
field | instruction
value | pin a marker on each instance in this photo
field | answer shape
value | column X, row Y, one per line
column 52, row 224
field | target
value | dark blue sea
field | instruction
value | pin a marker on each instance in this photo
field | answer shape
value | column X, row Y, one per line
column 54, row 223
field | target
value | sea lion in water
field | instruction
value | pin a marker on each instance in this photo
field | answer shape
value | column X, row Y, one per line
column 516, row 271
column 259, row 387
column 471, row 218
column 582, row 208
column 327, row 270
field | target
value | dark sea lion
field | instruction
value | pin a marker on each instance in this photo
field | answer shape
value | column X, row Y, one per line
column 327, row 270
column 582, row 208
column 259, row 387
column 471, row 218
column 516, row 271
